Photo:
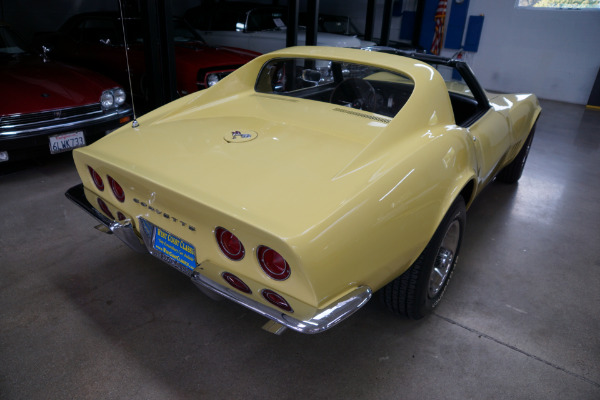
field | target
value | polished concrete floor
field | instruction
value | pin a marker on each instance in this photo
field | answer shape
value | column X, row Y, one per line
column 84, row 317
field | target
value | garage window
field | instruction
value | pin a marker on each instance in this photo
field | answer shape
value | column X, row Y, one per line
column 560, row 4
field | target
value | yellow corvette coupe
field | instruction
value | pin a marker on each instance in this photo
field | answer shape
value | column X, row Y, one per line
column 311, row 178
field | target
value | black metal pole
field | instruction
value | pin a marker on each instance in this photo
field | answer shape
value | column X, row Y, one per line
column 370, row 19
column 161, row 78
column 418, row 24
column 312, row 23
column 386, row 23
column 292, row 28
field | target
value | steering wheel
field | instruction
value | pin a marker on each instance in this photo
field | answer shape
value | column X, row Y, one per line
column 356, row 93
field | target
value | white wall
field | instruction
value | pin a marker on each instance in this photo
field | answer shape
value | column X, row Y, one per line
column 554, row 54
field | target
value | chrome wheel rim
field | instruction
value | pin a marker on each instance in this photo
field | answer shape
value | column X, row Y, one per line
column 444, row 259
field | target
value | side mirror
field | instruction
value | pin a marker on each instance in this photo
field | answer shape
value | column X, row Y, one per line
column 311, row 75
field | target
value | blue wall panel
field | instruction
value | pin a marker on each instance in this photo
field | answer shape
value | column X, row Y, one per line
column 408, row 25
column 428, row 24
column 456, row 24
column 473, row 33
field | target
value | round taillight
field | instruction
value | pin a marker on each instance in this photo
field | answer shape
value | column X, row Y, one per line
column 276, row 300
column 96, row 178
column 229, row 244
column 105, row 208
column 236, row 282
column 273, row 263
column 116, row 189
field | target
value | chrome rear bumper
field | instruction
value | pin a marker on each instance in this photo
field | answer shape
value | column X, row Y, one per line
column 323, row 319
column 123, row 230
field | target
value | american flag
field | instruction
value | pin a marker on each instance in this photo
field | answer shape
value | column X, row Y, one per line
column 440, row 17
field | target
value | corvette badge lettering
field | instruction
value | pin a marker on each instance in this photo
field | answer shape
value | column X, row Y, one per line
column 167, row 216
column 236, row 134
column 240, row 137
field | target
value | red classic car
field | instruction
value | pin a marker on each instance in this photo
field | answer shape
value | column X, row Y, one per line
column 95, row 41
column 51, row 107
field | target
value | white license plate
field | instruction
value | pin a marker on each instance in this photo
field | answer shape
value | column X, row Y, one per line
column 66, row 141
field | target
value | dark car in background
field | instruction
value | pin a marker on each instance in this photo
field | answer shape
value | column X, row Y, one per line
column 343, row 25
column 95, row 40
column 337, row 24
column 50, row 107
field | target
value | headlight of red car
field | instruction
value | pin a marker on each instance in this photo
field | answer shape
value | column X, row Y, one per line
column 112, row 98
column 120, row 96
column 212, row 79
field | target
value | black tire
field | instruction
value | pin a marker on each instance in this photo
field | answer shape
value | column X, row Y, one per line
column 416, row 292
column 513, row 171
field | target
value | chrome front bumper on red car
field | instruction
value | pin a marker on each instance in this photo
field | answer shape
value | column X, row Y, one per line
column 322, row 320
column 23, row 136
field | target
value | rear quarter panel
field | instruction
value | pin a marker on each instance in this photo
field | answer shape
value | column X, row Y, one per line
column 380, row 232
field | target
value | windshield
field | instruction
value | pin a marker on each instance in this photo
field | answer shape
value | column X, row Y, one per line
column 182, row 32
column 337, row 24
column 264, row 19
column 10, row 43
column 110, row 32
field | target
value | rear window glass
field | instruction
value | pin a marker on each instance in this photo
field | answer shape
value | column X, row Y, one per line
column 357, row 86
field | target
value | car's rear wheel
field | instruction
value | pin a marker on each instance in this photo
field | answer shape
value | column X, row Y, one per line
column 419, row 289
column 513, row 171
